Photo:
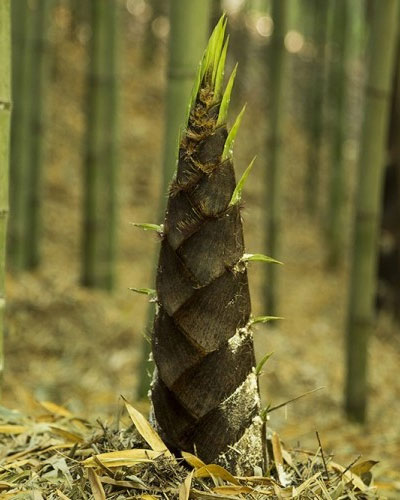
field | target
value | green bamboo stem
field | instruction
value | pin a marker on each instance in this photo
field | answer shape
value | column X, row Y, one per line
column 189, row 23
column 151, row 42
column 5, row 118
column 23, row 67
column 39, row 49
column 339, row 119
column 280, row 15
column 382, row 45
column 316, row 98
column 29, row 80
column 99, row 231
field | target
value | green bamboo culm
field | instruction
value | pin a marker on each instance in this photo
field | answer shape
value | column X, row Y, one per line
column 30, row 77
column 205, row 392
column 5, row 118
column 316, row 108
column 189, row 23
column 382, row 44
column 339, row 119
column 101, row 162
column 278, row 64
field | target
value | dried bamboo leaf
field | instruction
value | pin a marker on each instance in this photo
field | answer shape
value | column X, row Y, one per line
column 232, row 490
column 123, row 458
column 13, row 429
column 62, row 496
column 298, row 490
column 184, row 489
column 209, row 496
column 192, row 460
column 277, row 451
column 70, row 436
column 137, row 485
column 350, row 476
column 95, row 484
column 214, row 470
column 146, row 430
column 55, row 409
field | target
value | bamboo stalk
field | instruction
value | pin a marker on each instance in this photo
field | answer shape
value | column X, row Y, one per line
column 280, row 15
column 316, row 99
column 5, row 119
column 100, row 203
column 368, row 203
column 339, row 118
column 39, row 53
column 30, row 22
column 23, row 67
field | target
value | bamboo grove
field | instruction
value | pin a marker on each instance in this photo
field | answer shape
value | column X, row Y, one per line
column 321, row 81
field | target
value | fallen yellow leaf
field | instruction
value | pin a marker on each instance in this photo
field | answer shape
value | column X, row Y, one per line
column 216, row 471
column 123, row 458
column 95, row 484
column 146, row 430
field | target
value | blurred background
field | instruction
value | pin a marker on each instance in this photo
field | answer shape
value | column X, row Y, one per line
column 100, row 89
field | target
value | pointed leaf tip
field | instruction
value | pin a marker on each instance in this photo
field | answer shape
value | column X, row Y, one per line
column 219, row 78
column 264, row 319
column 230, row 140
column 145, row 291
column 248, row 257
column 226, row 98
column 237, row 193
column 262, row 362
column 148, row 227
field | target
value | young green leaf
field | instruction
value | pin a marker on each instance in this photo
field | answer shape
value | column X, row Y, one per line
column 149, row 227
column 219, row 78
column 228, row 147
column 264, row 413
column 219, row 42
column 145, row 291
column 226, row 98
column 237, row 193
column 249, row 257
column 264, row 319
column 262, row 363
column 212, row 47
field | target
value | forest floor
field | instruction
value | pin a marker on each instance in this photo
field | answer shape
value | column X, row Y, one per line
column 81, row 348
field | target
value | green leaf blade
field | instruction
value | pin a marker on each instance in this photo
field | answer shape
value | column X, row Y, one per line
column 262, row 362
column 144, row 291
column 259, row 257
column 226, row 98
column 230, row 140
column 219, row 77
column 265, row 319
column 148, row 227
column 237, row 193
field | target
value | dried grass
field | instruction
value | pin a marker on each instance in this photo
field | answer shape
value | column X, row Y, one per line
column 57, row 455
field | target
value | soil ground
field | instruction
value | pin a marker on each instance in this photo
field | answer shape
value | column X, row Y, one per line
column 81, row 348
